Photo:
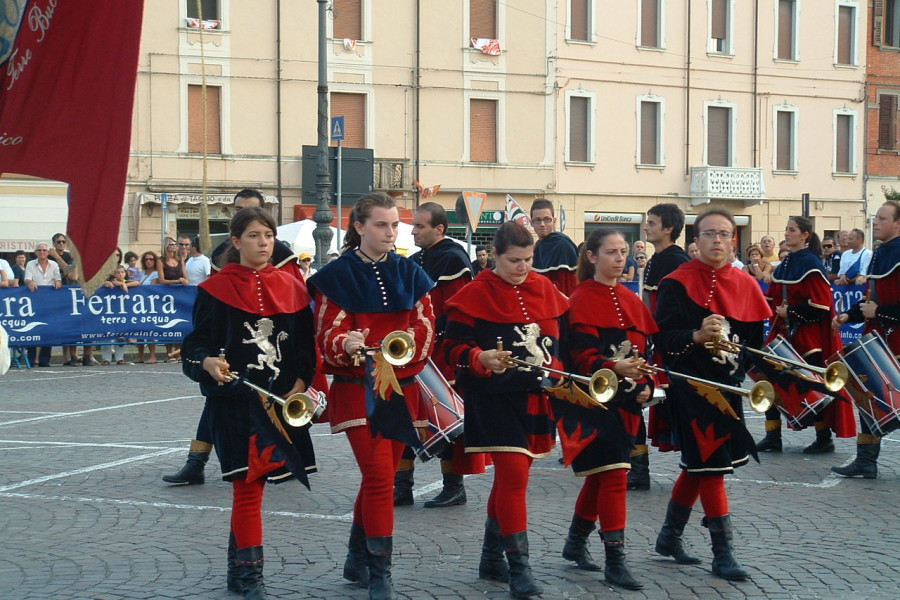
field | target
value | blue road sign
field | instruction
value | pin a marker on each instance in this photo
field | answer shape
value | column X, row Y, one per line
column 337, row 129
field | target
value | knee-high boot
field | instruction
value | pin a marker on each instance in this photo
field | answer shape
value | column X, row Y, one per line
column 669, row 542
column 724, row 564
column 577, row 542
column 381, row 586
column 250, row 572
column 493, row 563
column 233, row 575
column 866, row 462
column 356, row 566
column 403, row 483
column 521, row 581
column 616, row 571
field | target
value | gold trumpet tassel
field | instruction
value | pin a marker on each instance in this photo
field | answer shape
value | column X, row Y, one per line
column 385, row 378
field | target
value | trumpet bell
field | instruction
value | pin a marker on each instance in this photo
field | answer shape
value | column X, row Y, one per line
column 836, row 376
column 761, row 396
column 303, row 407
column 603, row 385
column 398, row 348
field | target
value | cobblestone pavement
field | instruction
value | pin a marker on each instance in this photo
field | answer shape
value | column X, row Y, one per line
column 84, row 514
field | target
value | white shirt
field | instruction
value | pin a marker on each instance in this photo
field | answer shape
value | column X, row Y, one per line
column 5, row 266
column 33, row 272
column 849, row 258
column 197, row 269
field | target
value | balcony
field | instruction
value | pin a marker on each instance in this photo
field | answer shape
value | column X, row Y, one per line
column 392, row 174
column 727, row 183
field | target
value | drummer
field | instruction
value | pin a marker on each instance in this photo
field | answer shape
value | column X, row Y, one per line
column 802, row 300
column 881, row 313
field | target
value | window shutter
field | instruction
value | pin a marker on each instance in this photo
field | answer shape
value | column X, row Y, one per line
column 718, row 136
column 579, row 120
column 649, row 133
column 347, row 19
column 878, row 23
column 650, row 23
column 483, row 130
column 353, row 108
column 719, row 19
column 842, row 144
column 579, row 25
column 784, row 141
column 845, row 35
column 195, row 119
column 483, row 19
column 786, row 29
column 887, row 122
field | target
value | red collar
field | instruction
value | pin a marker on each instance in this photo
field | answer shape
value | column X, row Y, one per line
column 268, row 291
column 725, row 291
column 489, row 298
column 598, row 305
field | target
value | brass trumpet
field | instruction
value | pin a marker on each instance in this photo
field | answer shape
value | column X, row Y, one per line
column 835, row 374
column 761, row 396
column 298, row 409
column 601, row 385
column 397, row 347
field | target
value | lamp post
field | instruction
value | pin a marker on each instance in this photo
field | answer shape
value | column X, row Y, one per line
column 322, row 233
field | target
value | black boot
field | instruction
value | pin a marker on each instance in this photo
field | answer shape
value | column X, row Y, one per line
column 250, row 572
column 233, row 579
column 454, row 492
column 616, row 571
column 192, row 471
column 866, row 462
column 577, row 543
column 521, row 581
column 669, row 541
column 380, row 585
column 639, row 475
column 724, row 564
column 822, row 445
column 403, row 485
column 772, row 441
column 493, row 563
column 356, row 566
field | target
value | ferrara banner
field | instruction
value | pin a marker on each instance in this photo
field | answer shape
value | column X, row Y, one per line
column 66, row 317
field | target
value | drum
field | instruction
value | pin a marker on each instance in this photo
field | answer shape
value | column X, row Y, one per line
column 798, row 407
column 874, row 382
column 445, row 412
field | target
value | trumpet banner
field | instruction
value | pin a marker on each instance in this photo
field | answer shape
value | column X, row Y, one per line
column 386, row 406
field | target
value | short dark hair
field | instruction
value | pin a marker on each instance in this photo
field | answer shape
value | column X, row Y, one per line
column 195, row 243
column 714, row 210
column 480, row 248
column 129, row 255
column 21, row 253
column 56, row 236
column 859, row 232
column 669, row 216
column 511, row 234
column 438, row 214
column 250, row 193
column 539, row 204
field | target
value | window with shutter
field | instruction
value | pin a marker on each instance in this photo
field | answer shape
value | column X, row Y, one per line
column 890, row 23
column 846, row 40
column 784, row 142
column 483, row 19
column 842, row 140
column 209, row 8
column 650, row 24
column 213, row 135
column 887, row 122
column 482, row 130
column 579, row 129
column 347, row 19
column 580, row 20
column 786, row 32
column 719, row 26
column 650, row 133
column 353, row 108
column 718, row 136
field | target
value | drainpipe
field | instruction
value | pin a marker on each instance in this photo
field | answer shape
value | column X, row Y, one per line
column 687, row 96
column 417, row 90
column 278, row 183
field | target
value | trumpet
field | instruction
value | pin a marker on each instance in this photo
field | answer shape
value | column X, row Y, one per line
column 761, row 396
column 298, row 409
column 601, row 385
column 835, row 374
column 397, row 347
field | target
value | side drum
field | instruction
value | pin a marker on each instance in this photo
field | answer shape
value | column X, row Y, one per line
column 874, row 382
column 445, row 412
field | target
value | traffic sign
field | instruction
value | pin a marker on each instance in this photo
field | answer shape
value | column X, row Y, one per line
column 337, row 129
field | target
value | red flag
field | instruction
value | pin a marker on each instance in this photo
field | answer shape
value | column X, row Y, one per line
column 67, row 77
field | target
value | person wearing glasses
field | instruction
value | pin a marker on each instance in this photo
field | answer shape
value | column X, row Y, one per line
column 197, row 266
column 555, row 255
column 704, row 300
column 305, row 260
column 802, row 300
column 42, row 272
column 831, row 257
column 69, row 271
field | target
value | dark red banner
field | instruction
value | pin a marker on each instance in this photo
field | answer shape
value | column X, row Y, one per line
column 67, row 77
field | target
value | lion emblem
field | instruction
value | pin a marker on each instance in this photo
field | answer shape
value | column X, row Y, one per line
column 270, row 354
column 536, row 348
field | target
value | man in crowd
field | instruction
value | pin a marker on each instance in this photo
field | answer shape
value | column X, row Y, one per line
column 482, row 260
column 449, row 266
column 767, row 243
column 831, row 257
column 555, row 255
column 18, row 267
column 69, row 271
column 843, row 240
column 197, row 267
column 11, row 280
column 692, row 250
column 42, row 272
column 855, row 261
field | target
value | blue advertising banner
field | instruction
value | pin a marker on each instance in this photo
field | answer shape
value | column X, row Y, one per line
column 65, row 317
column 845, row 296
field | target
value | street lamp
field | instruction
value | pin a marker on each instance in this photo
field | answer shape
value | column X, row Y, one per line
column 322, row 233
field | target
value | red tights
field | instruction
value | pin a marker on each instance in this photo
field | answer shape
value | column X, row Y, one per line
column 709, row 488
column 603, row 497
column 246, row 512
column 507, row 502
column 377, row 459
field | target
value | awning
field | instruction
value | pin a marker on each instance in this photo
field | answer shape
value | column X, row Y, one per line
column 180, row 198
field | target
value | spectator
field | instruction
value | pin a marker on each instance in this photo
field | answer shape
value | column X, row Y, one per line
column 197, row 266
column 171, row 272
column 483, row 260
column 855, row 261
column 641, row 259
column 305, row 261
column 42, row 272
column 757, row 266
column 59, row 253
column 629, row 273
column 131, row 265
column 692, row 250
column 7, row 278
column 149, row 275
column 119, row 281
column 733, row 259
column 831, row 257
column 767, row 243
column 184, row 247
column 18, row 267
column 844, row 240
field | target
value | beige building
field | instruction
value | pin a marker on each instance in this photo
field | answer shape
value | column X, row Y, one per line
column 606, row 107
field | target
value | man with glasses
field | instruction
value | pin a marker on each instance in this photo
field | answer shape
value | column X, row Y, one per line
column 831, row 257
column 42, row 272
column 69, row 270
column 704, row 300
column 555, row 255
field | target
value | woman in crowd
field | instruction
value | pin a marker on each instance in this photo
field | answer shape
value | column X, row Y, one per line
column 170, row 269
column 118, row 281
column 758, row 266
column 608, row 329
column 803, row 303
column 507, row 411
column 252, row 320
column 361, row 297
column 148, row 276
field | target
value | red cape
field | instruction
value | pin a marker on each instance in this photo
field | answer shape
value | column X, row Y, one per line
column 725, row 291
column 598, row 305
column 266, row 292
column 489, row 298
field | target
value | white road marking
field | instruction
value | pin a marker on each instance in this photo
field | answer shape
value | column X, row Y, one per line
column 95, row 410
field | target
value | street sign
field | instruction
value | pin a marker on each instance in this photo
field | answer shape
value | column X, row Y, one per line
column 337, row 129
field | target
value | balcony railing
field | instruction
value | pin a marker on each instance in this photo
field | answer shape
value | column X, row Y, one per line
column 727, row 183
column 392, row 174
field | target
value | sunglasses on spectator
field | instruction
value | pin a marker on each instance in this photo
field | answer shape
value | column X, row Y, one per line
column 828, row 245
column 180, row 244
column 59, row 241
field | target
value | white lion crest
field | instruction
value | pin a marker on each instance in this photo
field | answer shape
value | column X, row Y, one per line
column 270, row 354
column 537, row 351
